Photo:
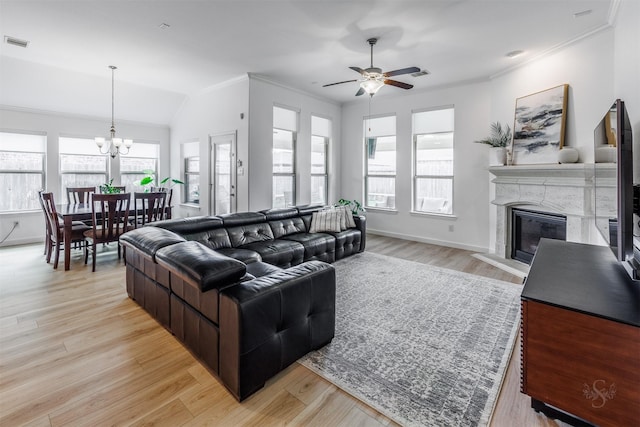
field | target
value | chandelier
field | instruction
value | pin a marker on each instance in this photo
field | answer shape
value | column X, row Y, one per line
column 113, row 146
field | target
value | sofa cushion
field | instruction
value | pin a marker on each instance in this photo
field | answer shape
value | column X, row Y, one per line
column 215, row 238
column 244, row 234
column 259, row 269
column 201, row 265
column 280, row 213
column 242, row 218
column 284, row 227
column 317, row 246
column 283, row 253
column 245, row 255
column 190, row 225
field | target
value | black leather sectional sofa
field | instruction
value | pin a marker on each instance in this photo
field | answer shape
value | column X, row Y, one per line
column 248, row 293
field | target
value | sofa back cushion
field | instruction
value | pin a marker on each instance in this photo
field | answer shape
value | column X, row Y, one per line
column 216, row 238
column 242, row 218
column 280, row 213
column 245, row 234
column 284, row 227
column 191, row 225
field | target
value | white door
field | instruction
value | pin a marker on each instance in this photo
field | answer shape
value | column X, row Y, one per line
column 223, row 173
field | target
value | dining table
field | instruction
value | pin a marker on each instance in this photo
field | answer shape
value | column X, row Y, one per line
column 81, row 212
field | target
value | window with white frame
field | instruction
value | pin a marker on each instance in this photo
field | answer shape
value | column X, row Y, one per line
column 433, row 161
column 80, row 163
column 141, row 161
column 191, row 159
column 285, row 126
column 380, row 162
column 22, row 170
column 320, row 134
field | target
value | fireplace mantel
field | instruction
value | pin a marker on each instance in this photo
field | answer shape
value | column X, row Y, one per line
column 554, row 188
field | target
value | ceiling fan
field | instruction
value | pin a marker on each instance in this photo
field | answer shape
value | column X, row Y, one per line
column 373, row 77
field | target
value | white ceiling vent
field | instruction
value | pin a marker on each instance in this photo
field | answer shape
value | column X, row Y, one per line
column 420, row 73
column 16, row 42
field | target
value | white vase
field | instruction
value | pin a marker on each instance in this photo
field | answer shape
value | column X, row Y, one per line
column 606, row 154
column 497, row 156
column 568, row 155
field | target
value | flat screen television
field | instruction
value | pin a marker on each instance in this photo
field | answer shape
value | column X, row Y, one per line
column 614, row 208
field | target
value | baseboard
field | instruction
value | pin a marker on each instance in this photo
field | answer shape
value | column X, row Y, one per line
column 429, row 241
column 25, row 241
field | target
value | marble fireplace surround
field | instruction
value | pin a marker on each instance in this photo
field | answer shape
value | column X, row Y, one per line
column 564, row 189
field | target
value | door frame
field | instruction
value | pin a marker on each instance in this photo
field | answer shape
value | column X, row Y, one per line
column 219, row 139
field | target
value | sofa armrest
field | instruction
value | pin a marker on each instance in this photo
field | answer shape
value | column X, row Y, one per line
column 361, row 224
column 269, row 322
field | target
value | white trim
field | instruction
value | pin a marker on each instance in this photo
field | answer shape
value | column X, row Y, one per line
column 429, row 241
column 264, row 79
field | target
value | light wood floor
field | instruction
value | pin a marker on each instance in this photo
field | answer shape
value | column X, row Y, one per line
column 75, row 350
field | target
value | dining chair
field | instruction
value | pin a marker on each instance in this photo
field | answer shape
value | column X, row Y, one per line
column 47, row 232
column 169, row 192
column 110, row 215
column 55, row 234
column 79, row 194
column 148, row 207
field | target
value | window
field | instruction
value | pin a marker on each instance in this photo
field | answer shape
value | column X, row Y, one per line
column 191, row 156
column 142, row 160
column 380, row 162
column 284, row 154
column 22, row 167
column 433, row 161
column 320, row 133
column 80, row 164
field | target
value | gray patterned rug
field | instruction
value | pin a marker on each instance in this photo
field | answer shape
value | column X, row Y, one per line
column 423, row 345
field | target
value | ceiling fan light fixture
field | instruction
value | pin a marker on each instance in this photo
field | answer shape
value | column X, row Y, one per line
column 371, row 86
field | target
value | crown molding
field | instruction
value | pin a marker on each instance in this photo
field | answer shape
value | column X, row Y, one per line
column 264, row 79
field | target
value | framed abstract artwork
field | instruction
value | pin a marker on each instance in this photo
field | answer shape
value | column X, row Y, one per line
column 539, row 126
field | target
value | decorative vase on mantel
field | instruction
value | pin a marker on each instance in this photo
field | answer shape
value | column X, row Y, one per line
column 498, row 156
column 498, row 140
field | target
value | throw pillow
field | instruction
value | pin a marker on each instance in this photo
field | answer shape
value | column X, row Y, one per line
column 325, row 221
column 348, row 216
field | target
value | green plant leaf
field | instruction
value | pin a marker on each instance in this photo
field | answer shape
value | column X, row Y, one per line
column 146, row 180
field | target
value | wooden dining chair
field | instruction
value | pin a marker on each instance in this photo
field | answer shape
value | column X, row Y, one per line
column 110, row 216
column 79, row 194
column 148, row 207
column 55, row 233
column 169, row 192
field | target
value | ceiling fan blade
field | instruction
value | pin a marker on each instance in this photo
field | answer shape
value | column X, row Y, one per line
column 402, row 71
column 339, row 83
column 360, row 92
column 358, row 70
column 398, row 84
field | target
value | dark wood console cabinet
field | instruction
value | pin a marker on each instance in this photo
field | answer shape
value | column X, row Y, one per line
column 581, row 335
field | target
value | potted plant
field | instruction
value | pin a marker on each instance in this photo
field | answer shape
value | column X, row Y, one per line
column 498, row 140
column 354, row 205
column 108, row 188
column 150, row 181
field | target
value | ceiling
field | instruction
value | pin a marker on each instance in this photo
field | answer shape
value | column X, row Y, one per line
column 300, row 43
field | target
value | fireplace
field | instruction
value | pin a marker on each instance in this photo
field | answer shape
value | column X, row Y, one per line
column 527, row 227
column 563, row 190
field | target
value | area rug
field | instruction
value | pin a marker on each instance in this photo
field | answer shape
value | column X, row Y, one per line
column 425, row 346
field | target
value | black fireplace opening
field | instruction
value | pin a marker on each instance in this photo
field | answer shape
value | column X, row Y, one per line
column 527, row 227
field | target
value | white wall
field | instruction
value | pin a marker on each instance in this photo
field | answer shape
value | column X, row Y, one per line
column 214, row 111
column 587, row 66
column 469, row 228
column 263, row 96
column 41, row 87
column 627, row 67
column 31, row 227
